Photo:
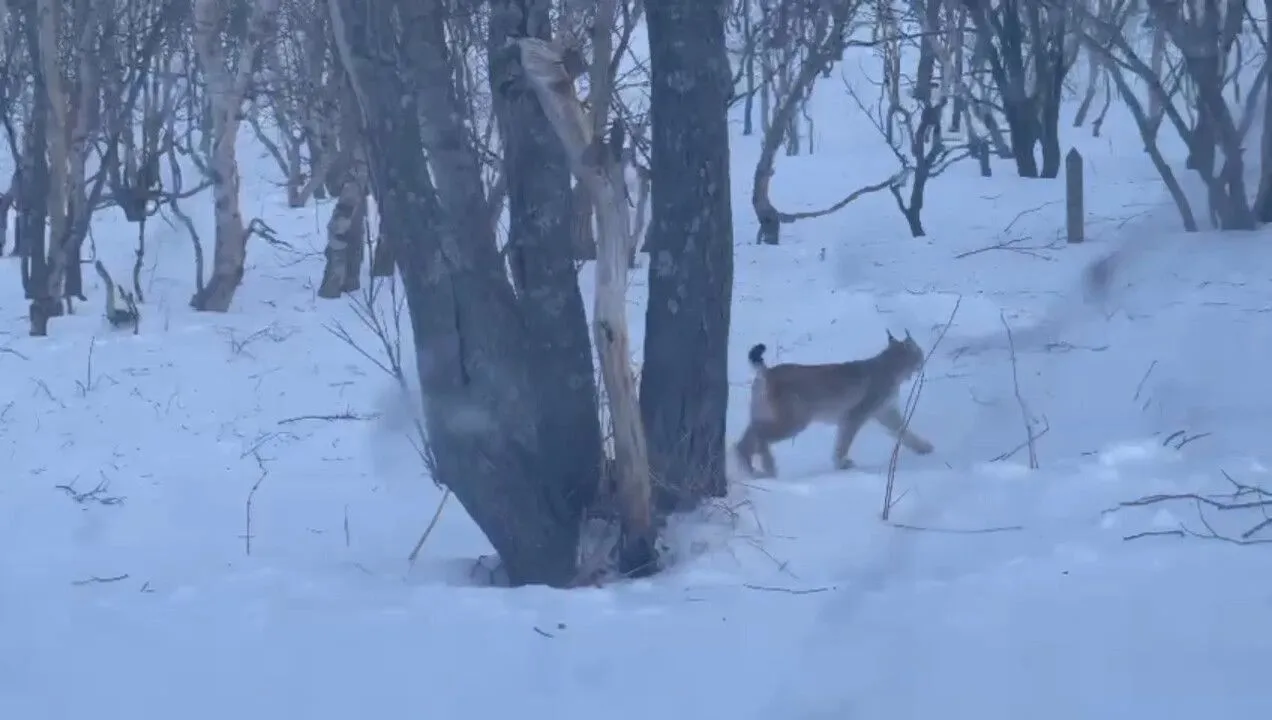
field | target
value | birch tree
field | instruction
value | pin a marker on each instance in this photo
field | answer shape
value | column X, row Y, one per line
column 226, row 87
column 595, row 166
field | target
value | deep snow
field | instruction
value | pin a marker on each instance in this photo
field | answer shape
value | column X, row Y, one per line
column 995, row 591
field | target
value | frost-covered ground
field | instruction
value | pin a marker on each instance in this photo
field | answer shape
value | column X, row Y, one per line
column 996, row 591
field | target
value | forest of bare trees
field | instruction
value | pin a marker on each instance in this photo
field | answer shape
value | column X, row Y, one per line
column 481, row 152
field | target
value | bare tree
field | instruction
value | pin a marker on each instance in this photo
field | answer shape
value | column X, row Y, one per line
column 1029, row 49
column 536, row 181
column 66, row 124
column 551, row 73
column 227, row 88
column 346, row 234
column 684, row 380
column 300, row 94
column 829, row 34
column 10, row 90
column 1263, row 198
column 1203, row 40
column 910, row 118
column 32, row 197
column 484, row 381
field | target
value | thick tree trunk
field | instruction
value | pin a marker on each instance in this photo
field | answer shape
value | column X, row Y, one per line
column 684, row 381
column 480, row 377
column 59, row 118
column 346, row 230
column 541, row 255
column 346, row 234
column 1263, row 198
column 34, row 191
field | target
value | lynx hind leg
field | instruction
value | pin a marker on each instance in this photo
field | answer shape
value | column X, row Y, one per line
column 754, row 443
column 744, row 449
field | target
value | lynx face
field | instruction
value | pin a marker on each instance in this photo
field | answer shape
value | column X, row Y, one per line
column 787, row 398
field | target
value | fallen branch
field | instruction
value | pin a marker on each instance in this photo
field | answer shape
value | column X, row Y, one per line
column 959, row 531
column 1155, row 533
column 96, row 495
column 1014, row 245
column 1262, row 501
column 789, row 591
column 93, row 580
column 347, row 415
column 787, row 218
column 1178, row 439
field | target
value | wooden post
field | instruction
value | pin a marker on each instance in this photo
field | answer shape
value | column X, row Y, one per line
column 1075, row 215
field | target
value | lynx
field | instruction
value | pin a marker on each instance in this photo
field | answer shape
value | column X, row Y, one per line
column 787, row 398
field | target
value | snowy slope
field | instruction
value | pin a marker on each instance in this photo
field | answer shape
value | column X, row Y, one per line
column 995, row 591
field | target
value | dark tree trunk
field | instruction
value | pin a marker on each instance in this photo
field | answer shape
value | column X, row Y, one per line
column 684, row 388
column 35, row 191
column 1006, row 32
column 6, row 202
column 1049, row 135
column 479, row 374
column 1023, row 131
column 1263, row 198
column 541, row 255
column 31, row 202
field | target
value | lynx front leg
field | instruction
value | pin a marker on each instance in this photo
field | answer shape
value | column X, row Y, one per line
column 890, row 417
column 848, row 427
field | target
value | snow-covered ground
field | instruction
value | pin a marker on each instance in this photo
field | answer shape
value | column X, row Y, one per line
column 127, row 588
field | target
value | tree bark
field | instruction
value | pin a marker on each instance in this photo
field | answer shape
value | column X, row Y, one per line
column 684, row 381
column 541, row 253
column 545, row 67
column 226, row 92
column 59, row 171
column 1263, row 197
column 34, row 190
column 346, row 230
column 477, row 368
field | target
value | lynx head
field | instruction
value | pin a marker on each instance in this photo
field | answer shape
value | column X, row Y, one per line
column 904, row 356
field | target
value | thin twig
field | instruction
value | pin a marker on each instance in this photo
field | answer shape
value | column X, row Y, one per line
column 247, row 509
column 911, row 405
column 1020, row 399
column 346, row 415
column 1156, row 533
column 92, row 580
column 1140, row 387
column 959, row 531
column 437, row 515
column 1046, row 428
column 789, row 591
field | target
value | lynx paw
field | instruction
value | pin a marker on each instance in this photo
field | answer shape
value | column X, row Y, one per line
column 923, row 447
column 845, row 464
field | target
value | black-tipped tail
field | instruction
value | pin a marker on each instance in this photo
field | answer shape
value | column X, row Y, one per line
column 756, row 356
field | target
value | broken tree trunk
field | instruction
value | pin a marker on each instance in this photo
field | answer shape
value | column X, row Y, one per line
column 544, row 66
